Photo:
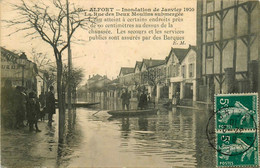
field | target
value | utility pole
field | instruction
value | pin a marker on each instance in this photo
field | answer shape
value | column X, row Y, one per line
column 23, row 75
column 62, row 112
column 69, row 58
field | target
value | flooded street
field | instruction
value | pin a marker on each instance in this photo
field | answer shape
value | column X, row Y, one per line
column 166, row 139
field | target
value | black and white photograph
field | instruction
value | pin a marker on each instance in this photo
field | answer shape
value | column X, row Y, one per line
column 121, row 83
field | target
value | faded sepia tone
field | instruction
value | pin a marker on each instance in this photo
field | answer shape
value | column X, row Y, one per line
column 136, row 97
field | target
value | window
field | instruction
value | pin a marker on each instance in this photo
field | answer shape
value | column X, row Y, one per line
column 210, row 50
column 210, row 22
column 183, row 71
column 191, row 70
column 174, row 71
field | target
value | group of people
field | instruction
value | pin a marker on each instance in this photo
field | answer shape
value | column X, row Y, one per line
column 142, row 98
column 19, row 105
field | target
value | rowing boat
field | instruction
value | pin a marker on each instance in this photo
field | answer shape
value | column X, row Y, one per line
column 131, row 112
column 80, row 104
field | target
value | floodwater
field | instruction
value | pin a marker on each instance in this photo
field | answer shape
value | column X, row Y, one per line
column 170, row 138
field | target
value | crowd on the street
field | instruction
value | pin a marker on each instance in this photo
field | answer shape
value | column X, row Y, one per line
column 21, row 107
column 143, row 99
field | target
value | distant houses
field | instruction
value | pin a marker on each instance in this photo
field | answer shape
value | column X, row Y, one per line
column 126, row 76
column 161, row 78
column 225, row 59
column 96, row 86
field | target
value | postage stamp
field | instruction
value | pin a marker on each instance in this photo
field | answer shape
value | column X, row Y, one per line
column 236, row 130
column 237, row 149
column 236, row 111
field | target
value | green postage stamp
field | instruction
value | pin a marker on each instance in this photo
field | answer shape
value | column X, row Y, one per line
column 236, row 129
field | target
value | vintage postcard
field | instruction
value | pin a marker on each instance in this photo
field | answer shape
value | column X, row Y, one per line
column 141, row 83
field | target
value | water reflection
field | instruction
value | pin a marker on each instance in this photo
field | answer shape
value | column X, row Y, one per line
column 169, row 138
column 175, row 138
column 143, row 123
column 125, row 130
column 68, row 148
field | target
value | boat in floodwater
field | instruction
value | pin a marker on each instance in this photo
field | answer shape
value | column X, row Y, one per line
column 81, row 104
column 132, row 112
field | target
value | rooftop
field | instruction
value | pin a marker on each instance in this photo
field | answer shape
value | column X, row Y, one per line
column 152, row 62
column 126, row 70
column 138, row 64
column 180, row 52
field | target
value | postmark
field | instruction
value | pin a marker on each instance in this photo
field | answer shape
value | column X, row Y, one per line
column 233, row 130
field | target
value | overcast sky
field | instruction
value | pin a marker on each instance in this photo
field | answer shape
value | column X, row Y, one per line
column 103, row 57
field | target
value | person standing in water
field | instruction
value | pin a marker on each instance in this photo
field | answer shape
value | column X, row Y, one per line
column 50, row 104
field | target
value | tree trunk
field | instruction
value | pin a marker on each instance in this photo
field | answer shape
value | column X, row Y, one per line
column 63, row 96
column 60, row 101
column 74, row 94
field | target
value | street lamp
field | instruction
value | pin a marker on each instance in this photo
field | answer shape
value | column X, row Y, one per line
column 22, row 62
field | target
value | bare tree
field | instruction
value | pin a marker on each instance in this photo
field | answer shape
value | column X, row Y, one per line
column 40, row 59
column 48, row 21
column 152, row 77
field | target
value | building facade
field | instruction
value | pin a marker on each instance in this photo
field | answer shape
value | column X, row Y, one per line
column 126, row 76
column 174, row 71
column 189, row 75
column 18, row 69
column 229, row 47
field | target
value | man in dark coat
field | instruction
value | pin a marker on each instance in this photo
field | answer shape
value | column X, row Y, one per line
column 50, row 104
column 143, row 103
column 125, row 99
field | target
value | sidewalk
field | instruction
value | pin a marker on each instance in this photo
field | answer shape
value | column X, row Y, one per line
column 21, row 148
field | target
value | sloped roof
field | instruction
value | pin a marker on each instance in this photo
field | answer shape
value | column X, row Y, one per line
column 138, row 64
column 152, row 63
column 126, row 70
column 180, row 52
